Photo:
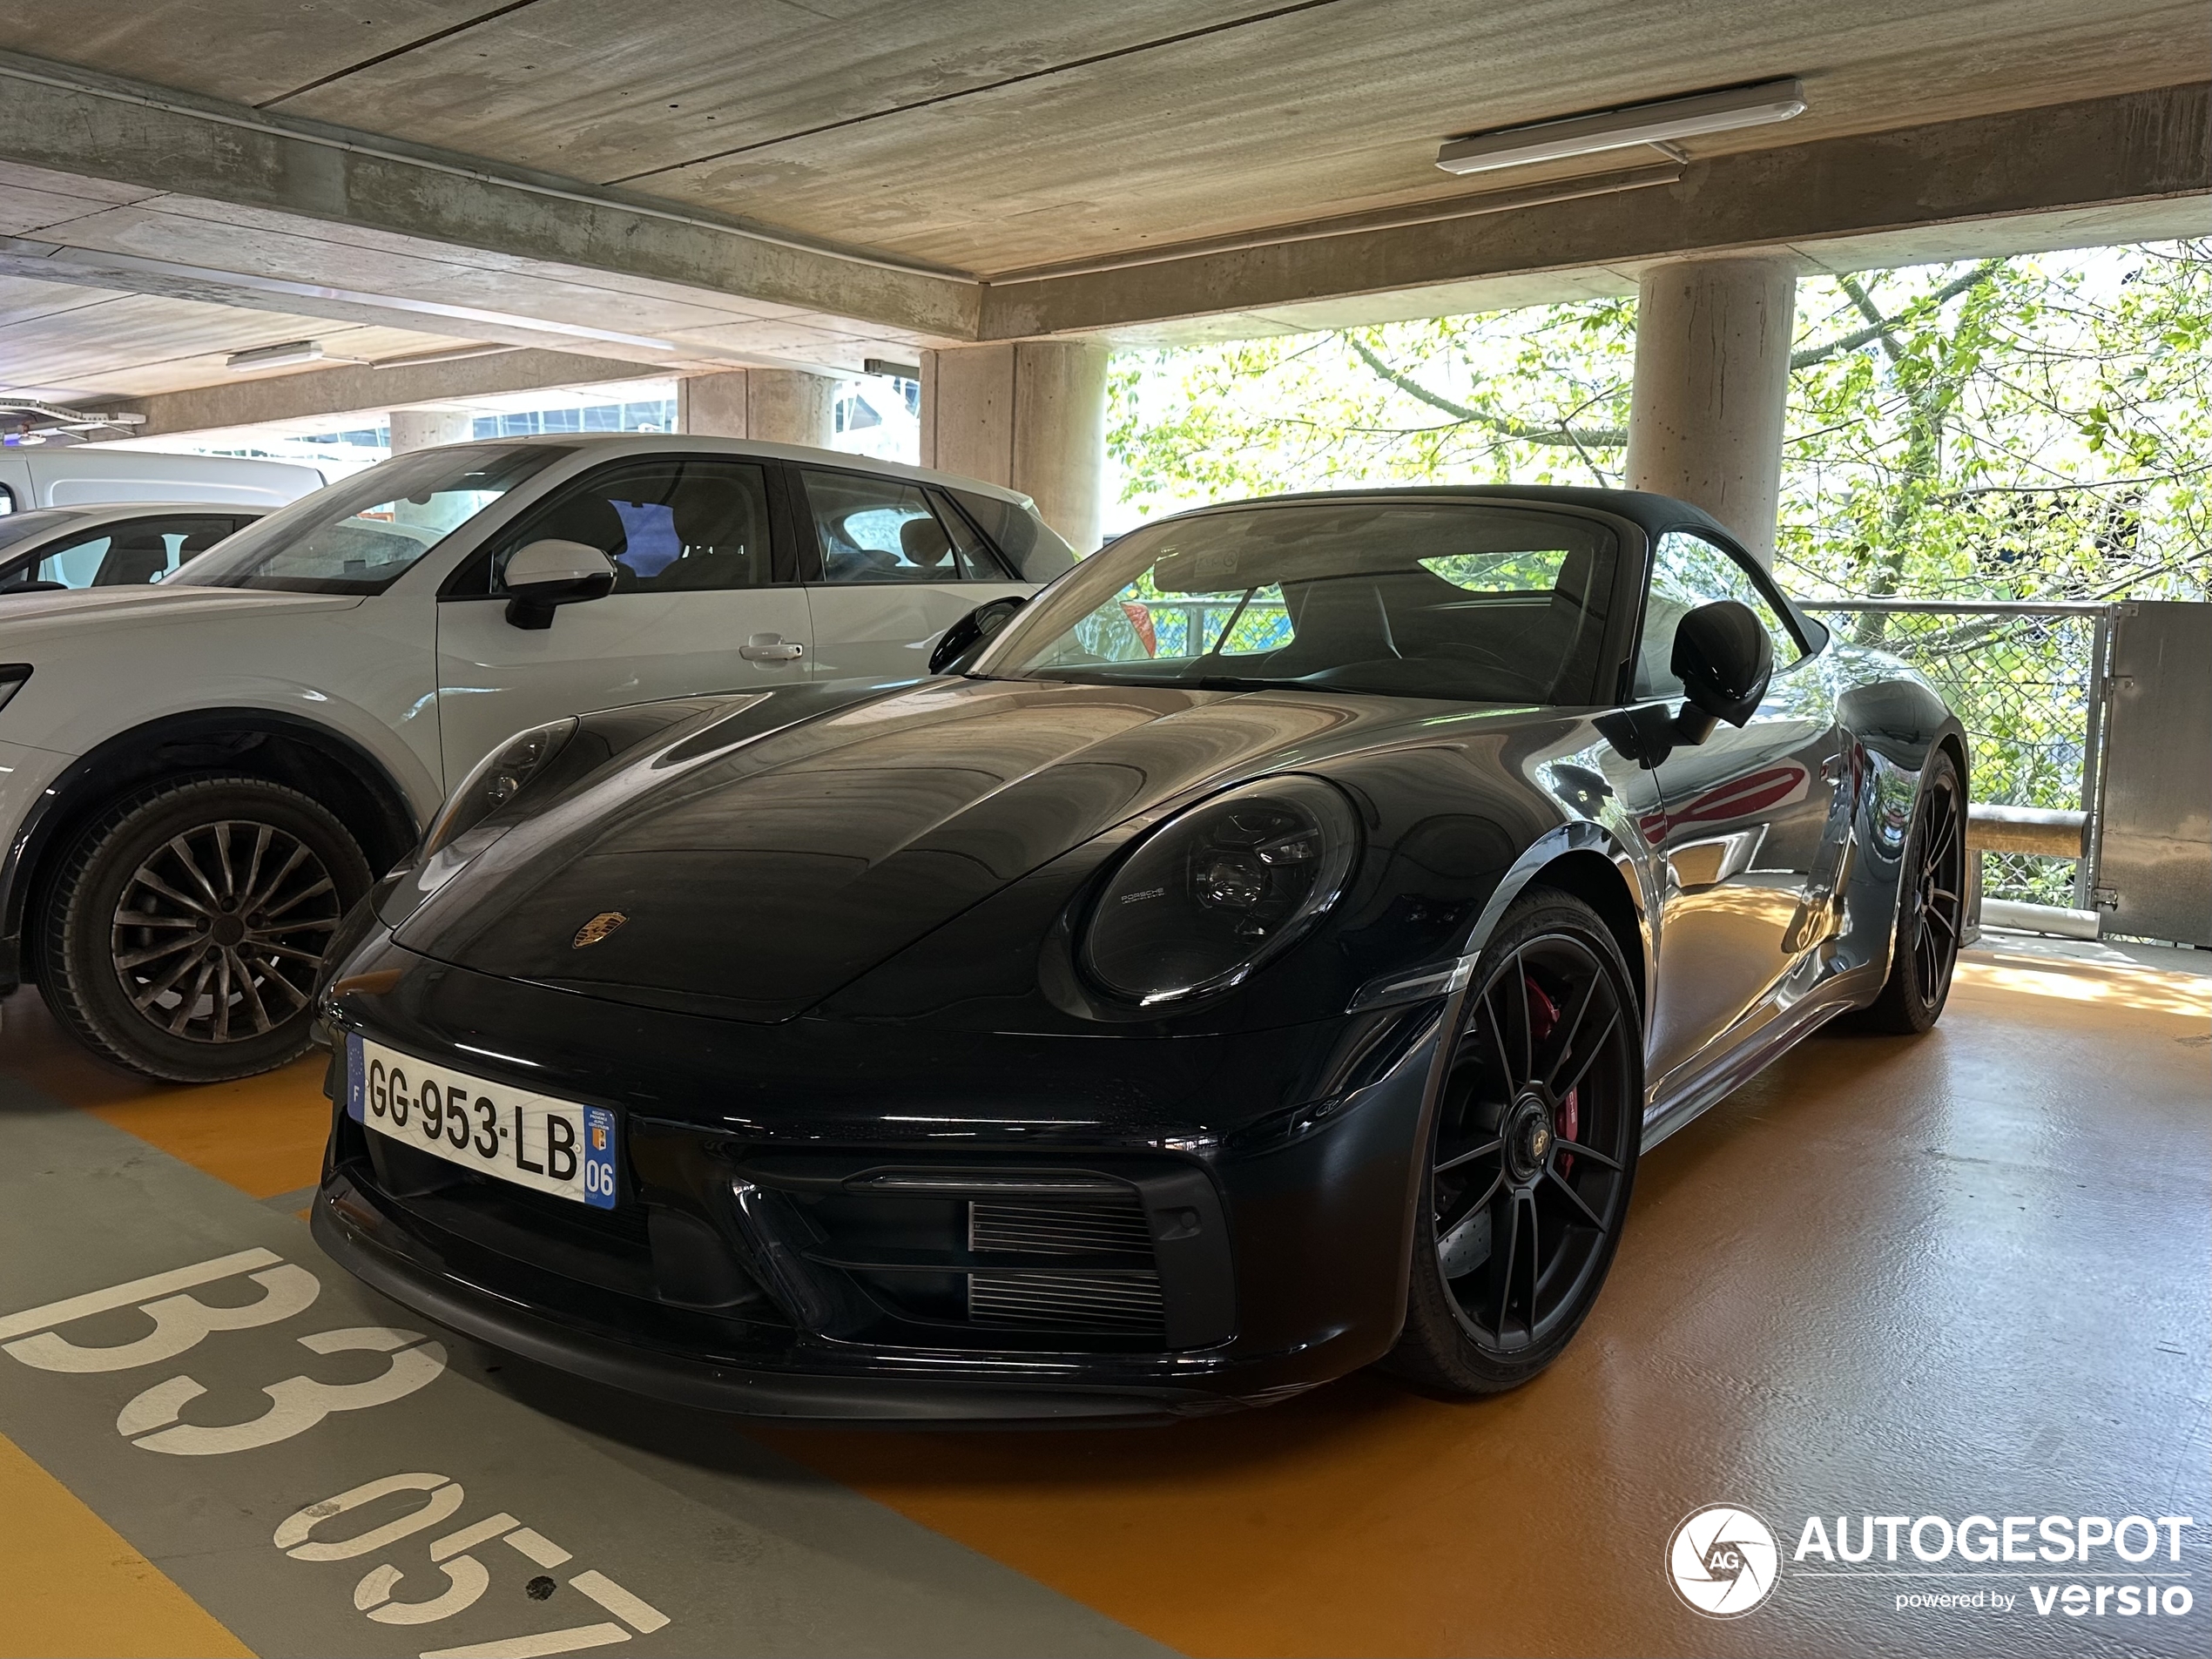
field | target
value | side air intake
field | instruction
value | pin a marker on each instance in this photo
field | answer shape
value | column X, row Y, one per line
column 1110, row 1283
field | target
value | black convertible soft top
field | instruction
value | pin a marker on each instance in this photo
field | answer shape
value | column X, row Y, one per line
column 1652, row 512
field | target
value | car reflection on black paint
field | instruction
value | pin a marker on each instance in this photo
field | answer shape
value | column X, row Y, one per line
column 1266, row 953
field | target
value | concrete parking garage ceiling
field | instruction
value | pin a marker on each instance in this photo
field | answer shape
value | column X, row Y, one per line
column 916, row 169
column 991, row 135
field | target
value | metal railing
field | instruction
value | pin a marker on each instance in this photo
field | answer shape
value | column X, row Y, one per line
column 2027, row 682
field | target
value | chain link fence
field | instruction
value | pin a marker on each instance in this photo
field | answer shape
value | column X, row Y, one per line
column 2025, row 681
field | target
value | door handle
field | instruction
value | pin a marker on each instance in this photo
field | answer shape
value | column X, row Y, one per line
column 771, row 648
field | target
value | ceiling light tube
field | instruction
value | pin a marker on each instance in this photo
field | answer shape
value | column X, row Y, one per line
column 290, row 354
column 1620, row 129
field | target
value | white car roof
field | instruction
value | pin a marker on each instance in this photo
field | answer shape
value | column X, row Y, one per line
column 99, row 509
column 648, row 443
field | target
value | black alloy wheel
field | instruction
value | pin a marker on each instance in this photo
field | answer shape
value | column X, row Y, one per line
column 189, row 923
column 1931, row 908
column 1533, row 1154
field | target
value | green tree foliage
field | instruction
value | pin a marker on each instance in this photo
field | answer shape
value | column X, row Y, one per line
column 2020, row 429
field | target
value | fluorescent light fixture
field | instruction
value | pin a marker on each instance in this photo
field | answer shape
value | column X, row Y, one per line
column 890, row 370
column 290, row 354
column 1654, row 124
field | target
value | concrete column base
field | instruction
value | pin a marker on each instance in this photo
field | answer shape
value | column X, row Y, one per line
column 771, row 405
column 1030, row 414
column 1712, row 380
column 427, row 428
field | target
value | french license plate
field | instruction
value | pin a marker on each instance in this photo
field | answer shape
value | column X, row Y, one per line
column 557, row 1146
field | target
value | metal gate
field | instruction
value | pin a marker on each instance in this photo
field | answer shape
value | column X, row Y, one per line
column 2152, row 827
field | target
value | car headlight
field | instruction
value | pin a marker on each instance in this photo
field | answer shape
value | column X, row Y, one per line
column 1215, row 890
column 495, row 780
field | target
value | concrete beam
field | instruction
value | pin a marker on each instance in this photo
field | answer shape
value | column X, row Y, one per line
column 1906, row 196
column 289, row 202
column 73, row 121
column 349, row 391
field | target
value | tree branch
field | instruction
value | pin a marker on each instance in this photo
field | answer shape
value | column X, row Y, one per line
column 1562, row 435
column 1878, row 326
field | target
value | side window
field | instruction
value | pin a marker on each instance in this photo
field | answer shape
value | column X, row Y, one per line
column 76, row 564
column 1687, row 571
column 882, row 529
column 129, row 555
column 669, row 526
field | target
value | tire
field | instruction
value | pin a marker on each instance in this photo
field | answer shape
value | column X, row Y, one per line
column 1533, row 1132
column 1931, row 909
column 150, row 952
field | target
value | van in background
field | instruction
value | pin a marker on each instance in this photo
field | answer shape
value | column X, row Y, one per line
column 79, row 474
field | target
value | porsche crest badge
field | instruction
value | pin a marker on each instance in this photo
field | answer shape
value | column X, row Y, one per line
column 597, row 929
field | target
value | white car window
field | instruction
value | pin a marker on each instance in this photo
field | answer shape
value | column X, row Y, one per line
column 670, row 524
column 883, row 530
column 131, row 553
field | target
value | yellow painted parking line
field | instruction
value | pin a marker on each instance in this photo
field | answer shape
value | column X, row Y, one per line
column 263, row 1135
column 75, row 1588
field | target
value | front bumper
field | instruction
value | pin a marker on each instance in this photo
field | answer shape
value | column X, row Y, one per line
column 799, row 1235
column 823, row 1387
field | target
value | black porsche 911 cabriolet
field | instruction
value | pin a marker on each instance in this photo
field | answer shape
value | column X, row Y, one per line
column 1264, row 954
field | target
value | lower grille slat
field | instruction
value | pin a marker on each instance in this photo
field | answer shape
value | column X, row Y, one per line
column 1127, row 1302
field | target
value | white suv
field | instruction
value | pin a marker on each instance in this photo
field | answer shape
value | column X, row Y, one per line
column 199, row 777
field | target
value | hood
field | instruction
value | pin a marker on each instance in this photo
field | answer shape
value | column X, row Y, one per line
column 28, row 619
column 755, row 881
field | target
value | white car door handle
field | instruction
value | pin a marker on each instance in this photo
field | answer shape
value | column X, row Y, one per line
column 771, row 648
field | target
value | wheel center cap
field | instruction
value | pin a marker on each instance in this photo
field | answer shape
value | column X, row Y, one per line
column 226, row 930
column 1528, row 1141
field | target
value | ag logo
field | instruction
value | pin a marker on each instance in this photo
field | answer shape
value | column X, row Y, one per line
column 1723, row 1560
column 597, row 929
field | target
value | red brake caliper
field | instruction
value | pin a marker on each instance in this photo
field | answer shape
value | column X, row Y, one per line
column 1543, row 1017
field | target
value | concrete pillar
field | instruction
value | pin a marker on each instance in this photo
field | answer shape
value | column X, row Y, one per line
column 1712, row 377
column 1030, row 414
column 427, row 428
column 773, row 405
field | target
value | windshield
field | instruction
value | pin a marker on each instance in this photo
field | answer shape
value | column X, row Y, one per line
column 362, row 535
column 1469, row 600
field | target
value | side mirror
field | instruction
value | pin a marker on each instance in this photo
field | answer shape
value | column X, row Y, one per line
column 1723, row 659
column 542, row 575
column 966, row 638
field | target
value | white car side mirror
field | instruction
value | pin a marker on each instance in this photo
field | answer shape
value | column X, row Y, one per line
column 542, row 575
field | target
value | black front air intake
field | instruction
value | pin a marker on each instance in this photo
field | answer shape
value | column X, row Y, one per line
column 1105, row 1277
column 1103, row 1251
